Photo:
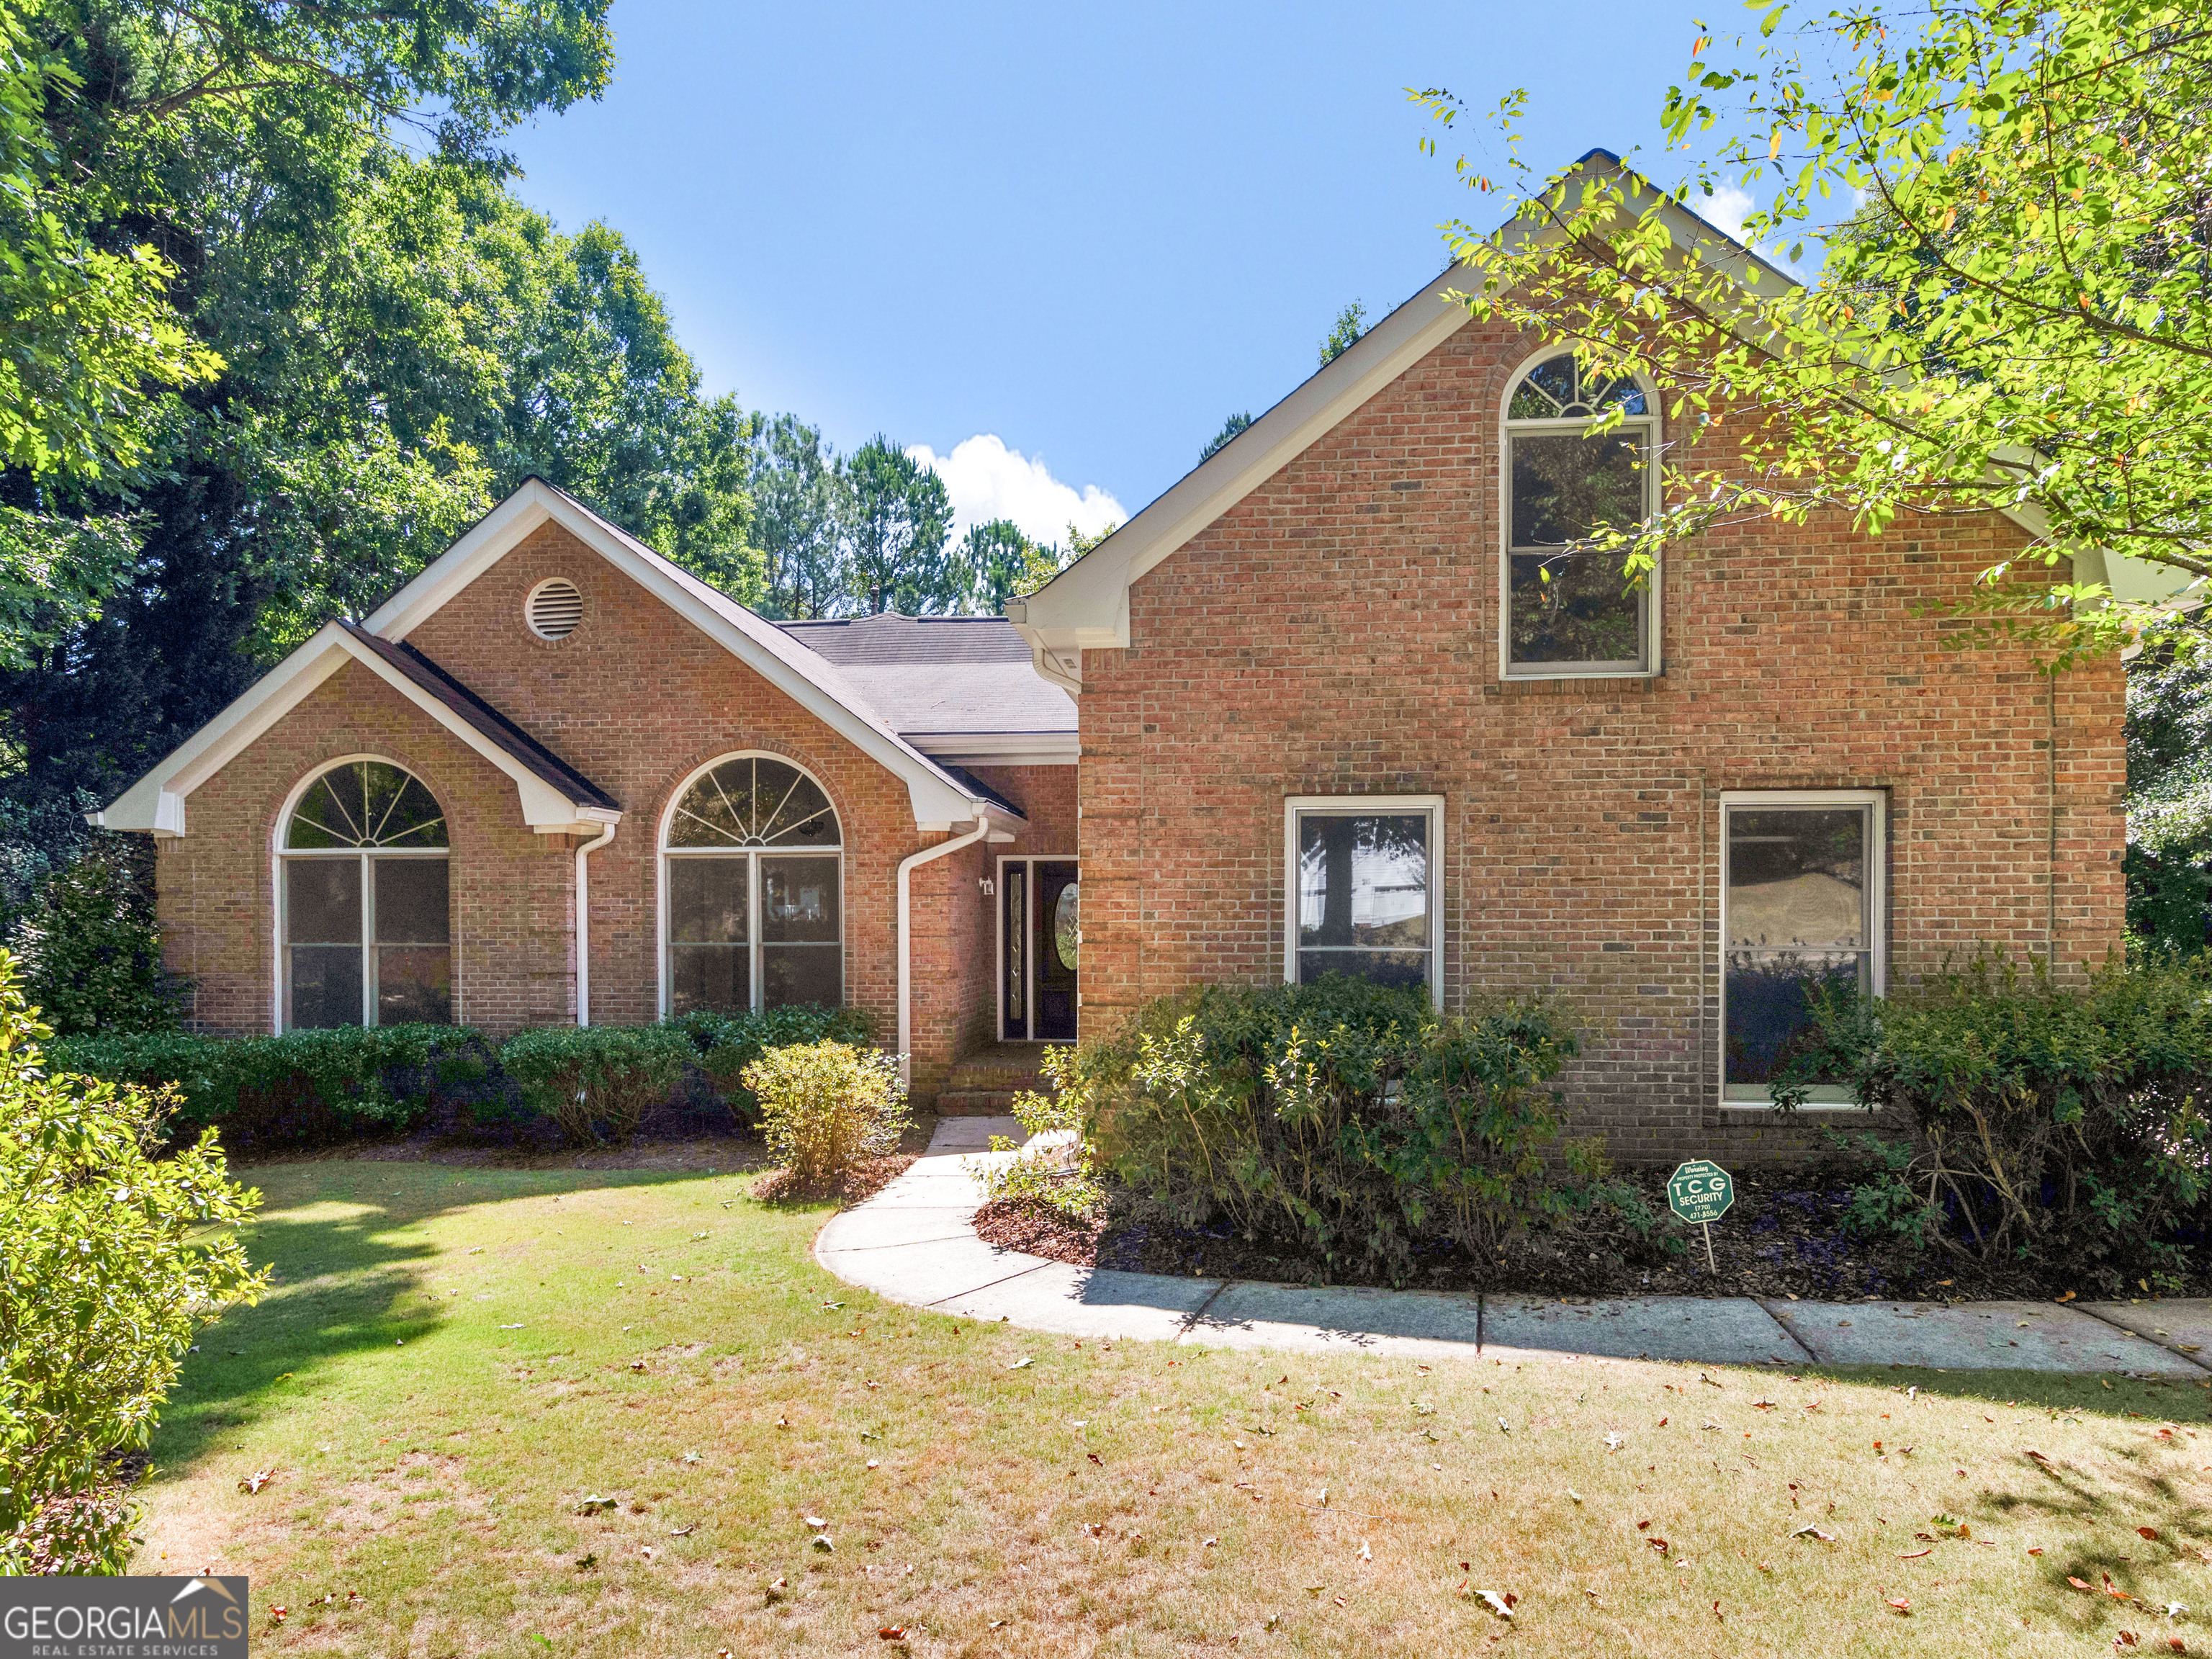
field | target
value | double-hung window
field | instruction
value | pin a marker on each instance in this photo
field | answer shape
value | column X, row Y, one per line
column 1801, row 913
column 1361, row 876
column 1569, row 608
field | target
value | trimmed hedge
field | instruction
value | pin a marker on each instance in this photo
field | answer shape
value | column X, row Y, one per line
column 304, row 1088
column 313, row 1088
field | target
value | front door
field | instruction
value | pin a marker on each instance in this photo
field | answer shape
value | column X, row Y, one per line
column 1040, row 939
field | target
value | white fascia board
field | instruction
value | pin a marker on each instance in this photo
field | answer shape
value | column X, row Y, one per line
column 759, row 645
column 998, row 748
column 1087, row 604
column 156, row 801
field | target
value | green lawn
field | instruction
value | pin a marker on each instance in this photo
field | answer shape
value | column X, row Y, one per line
column 679, row 1353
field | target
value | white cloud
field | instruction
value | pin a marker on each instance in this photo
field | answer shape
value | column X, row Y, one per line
column 1726, row 207
column 987, row 480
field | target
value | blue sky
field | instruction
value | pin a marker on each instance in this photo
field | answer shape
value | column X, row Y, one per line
column 1086, row 233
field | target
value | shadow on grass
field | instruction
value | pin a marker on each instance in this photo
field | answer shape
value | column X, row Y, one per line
column 350, row 1267
column 2047, row 1474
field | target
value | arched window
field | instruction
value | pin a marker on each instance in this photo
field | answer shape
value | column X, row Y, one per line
column 368, row 939
column 752, row 873
column 1568, row 608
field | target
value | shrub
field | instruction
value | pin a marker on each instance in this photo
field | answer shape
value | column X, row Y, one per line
column 303, row 1088
column 596, row 1082
column 1346, row 1114
column 1062, row 1175
column 89, row 949
column 728, row 1043
column 827, row 1106
column 106, row 1268
column 2057, row 1122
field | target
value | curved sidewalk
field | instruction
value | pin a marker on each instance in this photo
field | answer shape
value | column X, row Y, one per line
column 915, row 1242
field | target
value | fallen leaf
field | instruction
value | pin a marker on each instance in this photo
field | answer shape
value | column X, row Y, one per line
column 814, row 1521
column 2078, row 1584
column 1500, row 1605
column 2150, row 1533
column 1810, row 1530
column 891, row 1633
column 256, row 1481
column 1900, row 1603
column 1024, row 1360
column 1914, row 1555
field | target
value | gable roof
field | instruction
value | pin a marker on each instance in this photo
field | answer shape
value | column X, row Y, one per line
column 493, row 726
column 553, row 795
column 962, row 689
column 939, row 797
column 1087, row 604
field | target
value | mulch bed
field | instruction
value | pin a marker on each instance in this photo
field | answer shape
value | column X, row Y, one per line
column 1783, row 1238
column 861, row 1183
column 1021, row 1224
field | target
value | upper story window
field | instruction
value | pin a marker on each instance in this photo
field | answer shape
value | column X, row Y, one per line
column 366, row 930
column 751, row 879
column 1569, row 609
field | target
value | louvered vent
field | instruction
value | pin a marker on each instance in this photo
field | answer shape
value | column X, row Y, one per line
column 555, row 608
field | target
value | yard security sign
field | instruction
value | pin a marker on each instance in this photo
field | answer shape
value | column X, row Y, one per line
column 1700, row 1193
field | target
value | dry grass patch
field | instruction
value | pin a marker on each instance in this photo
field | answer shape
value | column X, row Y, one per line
column 630, row 1469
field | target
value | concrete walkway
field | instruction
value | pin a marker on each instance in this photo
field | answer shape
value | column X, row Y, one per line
column 913, row 1242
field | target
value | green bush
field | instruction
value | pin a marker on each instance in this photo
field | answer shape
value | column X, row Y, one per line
column 90, row 950
column 2057, row 1122
column 301, row 1088
column 106, row 1265
column 1345, row 1115
column 827, row 1106
column 597, row 1082
column 1062, row 1175
column 728, row 1043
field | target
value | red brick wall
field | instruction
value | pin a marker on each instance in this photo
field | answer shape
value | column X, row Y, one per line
column 636, row 700
column 512, row 902
column 1336, row 633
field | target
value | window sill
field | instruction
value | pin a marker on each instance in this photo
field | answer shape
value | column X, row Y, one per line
column 1809, row 1106
column 1578, row 685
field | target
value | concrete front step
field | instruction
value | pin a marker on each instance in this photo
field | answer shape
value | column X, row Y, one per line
column 976, row 1102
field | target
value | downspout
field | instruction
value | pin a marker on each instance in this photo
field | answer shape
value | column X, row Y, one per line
column 906, row 934
column 584, row 925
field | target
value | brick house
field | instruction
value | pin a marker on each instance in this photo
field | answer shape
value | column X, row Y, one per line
column 555, row 778
column 1345, row 700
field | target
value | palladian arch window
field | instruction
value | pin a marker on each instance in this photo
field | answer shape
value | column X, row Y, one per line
column 752, row 869
column 367, row 937
column 1568, row 609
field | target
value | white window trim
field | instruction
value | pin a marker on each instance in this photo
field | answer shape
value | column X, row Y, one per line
column 665, row 999
column 1877, row 910
column 1654, row 634
column 1361, row 806
column 280, row 979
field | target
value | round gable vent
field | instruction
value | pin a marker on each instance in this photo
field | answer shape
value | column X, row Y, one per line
column 554, row 609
